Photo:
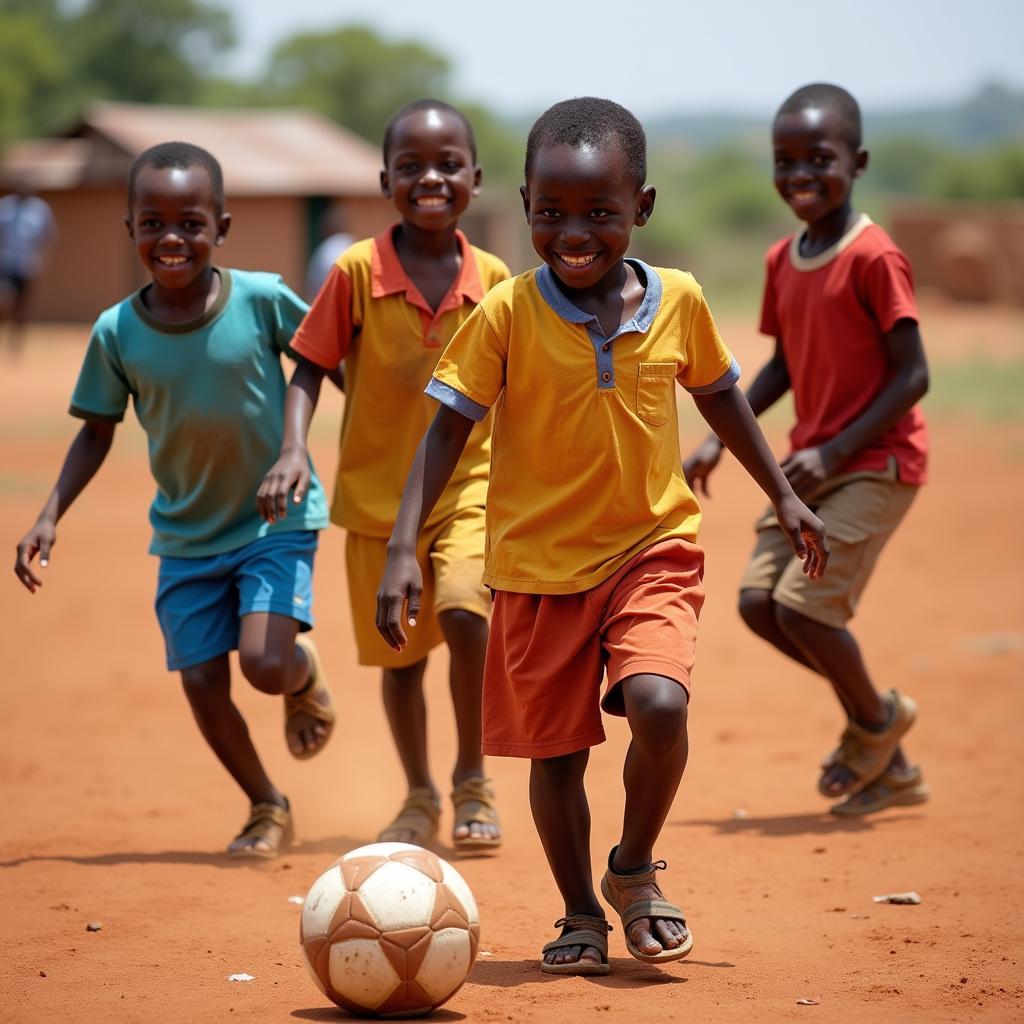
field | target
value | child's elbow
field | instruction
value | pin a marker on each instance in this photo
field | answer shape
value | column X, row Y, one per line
column 919, row 381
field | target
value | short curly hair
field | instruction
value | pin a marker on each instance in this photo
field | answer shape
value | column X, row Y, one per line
column 182, row 155
column 426, row 104
column 590, row 121
column 823, row 95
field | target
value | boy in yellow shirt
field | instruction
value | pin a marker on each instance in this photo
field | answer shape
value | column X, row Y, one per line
column 591, row 528
column 387, row 310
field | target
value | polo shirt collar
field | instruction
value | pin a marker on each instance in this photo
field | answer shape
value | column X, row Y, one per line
column 640, row 321
column 388, row 276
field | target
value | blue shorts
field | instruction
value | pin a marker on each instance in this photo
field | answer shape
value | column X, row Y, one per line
column 200, row 601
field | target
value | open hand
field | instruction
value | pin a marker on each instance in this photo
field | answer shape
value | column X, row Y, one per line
column 38, row 541
column 698, row 466
column 806, row 532
column 808, row 469
column 402, row 584
column 290, row 471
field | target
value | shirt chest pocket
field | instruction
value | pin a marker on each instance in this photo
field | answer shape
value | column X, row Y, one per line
column 655, row 392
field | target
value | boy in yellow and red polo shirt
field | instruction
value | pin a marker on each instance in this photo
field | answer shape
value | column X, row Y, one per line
column 839, row 302
column 386, row 312
column 591, row 528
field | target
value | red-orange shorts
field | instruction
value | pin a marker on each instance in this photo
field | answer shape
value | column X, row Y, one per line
column 547, row 653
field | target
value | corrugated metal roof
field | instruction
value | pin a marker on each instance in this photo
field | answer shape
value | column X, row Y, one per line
column 263, row 152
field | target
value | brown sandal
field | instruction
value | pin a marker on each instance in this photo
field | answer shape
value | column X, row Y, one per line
column 638, row 895
column 419, row 815
column 866, row 753
column 893, row 789
column 474, row 802
column 268, row 822
column 581, row 930
column 314, row 701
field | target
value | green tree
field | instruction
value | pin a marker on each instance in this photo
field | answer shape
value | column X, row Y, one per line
column 31, row 66
column 354, row 76
column 147, row 51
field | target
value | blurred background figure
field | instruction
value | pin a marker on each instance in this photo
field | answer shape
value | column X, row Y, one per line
column 336, row 239
column 27, row 231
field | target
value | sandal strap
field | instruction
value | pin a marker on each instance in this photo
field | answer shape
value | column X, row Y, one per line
column 651, row 908
column 419, row 804
column 474, row 801
column 585, row 930
column 304, row 701
column 866, row 752
column 262, row 819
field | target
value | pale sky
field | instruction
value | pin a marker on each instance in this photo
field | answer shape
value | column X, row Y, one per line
column 675, row 56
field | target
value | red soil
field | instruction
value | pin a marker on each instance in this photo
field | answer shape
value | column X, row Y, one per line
column 114, row 810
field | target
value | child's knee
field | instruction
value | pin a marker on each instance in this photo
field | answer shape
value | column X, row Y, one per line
column 560, row 772
column 791, row 623
column 657, row 714
column 206, row 682
column 462, row 627
column 267, row 671
column 757, row 609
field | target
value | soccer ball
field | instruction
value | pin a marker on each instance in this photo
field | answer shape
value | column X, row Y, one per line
column 389, row 929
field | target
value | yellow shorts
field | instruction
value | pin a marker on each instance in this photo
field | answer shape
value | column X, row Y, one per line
column 451, row 557
column 860, row 512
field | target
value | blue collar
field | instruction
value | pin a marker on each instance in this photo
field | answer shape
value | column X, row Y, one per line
column 640, row 321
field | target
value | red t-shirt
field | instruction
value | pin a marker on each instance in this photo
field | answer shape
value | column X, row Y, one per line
column 830, row 312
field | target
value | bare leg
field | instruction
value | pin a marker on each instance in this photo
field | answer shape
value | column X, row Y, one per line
column 208, row 688
column 836, row 655
column 406, row 710
column 272, row 662
column 656, row 709
column 562, row 816
column 466, row 635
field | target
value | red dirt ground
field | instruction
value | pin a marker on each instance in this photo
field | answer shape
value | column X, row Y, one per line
column 114, row 811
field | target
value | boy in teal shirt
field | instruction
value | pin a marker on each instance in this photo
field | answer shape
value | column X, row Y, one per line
column 197, row 351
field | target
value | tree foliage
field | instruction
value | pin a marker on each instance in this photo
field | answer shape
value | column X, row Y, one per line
column 354, row 75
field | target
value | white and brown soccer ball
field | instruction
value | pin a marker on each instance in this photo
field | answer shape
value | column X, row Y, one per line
column 389, row 929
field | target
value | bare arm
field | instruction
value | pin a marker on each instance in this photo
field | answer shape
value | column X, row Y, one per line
column 83, row 460
column 731, row 418
column 770, row 384
column 808, row 468
column 292, row 467
column 436, row 458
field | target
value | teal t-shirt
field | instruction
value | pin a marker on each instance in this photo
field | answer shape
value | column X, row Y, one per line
column 210, row 396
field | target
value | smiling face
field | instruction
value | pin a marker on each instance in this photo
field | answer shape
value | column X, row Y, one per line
column 815, row 164
column 175, row 223
column 430, row 174
column 582, row 204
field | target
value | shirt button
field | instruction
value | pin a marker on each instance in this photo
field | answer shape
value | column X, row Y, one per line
column 605, row 347
column 606, row 376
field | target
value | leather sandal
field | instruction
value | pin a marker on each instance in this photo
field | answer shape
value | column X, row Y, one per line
column 268, row 822
column 867, row 753
column 314, row 701
column 473, row 799
column 580, row 930
column 419, row 815
column 893, row 789
column 638, row 895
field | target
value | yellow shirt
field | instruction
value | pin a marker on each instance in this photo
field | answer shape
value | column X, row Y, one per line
column 585, row 468
column 372, row 315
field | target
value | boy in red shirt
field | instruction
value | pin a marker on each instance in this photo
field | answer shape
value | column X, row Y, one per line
column 839, row 301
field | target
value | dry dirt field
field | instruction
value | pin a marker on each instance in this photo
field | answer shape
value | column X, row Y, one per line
column 114, row 811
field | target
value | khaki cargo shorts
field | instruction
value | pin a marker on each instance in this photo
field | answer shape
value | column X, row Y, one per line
column 860, row 512
column 451, row 558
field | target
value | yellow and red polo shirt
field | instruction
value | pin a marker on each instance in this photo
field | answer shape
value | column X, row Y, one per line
column 370, row 314
column 586, row 469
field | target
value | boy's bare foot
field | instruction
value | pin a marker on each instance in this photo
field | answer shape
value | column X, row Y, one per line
column 655, row 929
column 416, row 821
column 477, row 825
